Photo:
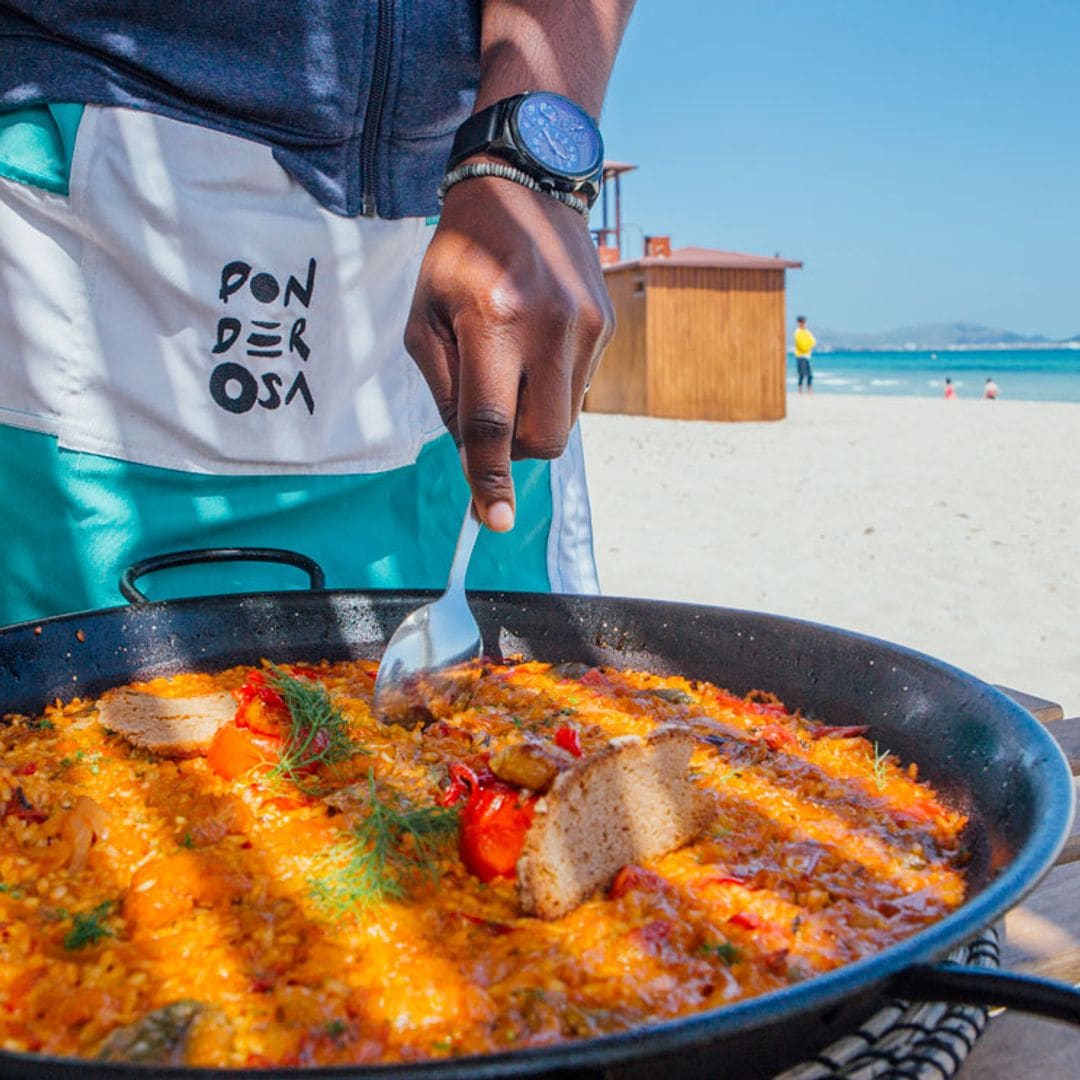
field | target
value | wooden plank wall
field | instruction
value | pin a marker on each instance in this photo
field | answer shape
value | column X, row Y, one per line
column 715, row 342
column 619, row 384
column 694, row 343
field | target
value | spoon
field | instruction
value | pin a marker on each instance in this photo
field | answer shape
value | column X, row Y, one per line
column 435, row 637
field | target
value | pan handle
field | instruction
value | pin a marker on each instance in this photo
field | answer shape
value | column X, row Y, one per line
column 210, row 555
column 982, row 986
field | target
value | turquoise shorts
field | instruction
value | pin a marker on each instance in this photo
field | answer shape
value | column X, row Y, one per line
column 72, row 521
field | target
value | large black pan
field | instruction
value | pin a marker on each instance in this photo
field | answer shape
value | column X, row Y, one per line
column 987, row 755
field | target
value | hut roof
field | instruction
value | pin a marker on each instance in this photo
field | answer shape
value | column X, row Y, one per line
column 708, row 257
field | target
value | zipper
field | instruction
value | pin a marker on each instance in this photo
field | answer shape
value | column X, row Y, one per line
column 369, row 140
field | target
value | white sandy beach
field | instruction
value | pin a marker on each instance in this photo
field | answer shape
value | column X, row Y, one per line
column 950, row 527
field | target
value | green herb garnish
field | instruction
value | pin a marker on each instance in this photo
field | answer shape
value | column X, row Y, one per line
column 724, row 950
column 880, row 757
column 317, row 734
column 386, row 850
column 90, row 760
column 86, row 928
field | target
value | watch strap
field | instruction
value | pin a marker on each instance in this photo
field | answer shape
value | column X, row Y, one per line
column 476, row 134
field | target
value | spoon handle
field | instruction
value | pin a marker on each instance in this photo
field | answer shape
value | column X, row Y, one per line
column 466, row 541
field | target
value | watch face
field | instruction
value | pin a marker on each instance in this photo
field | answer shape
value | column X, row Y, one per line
column 559, row 134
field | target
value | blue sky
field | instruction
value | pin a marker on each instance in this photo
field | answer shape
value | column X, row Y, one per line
column 921, row 157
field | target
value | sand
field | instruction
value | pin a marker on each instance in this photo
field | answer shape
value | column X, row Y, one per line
column 950, row 527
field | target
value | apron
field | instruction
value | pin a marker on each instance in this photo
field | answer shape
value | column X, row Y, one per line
column 196, row 352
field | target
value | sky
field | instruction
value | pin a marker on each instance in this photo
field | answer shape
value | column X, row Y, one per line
column 920, row 157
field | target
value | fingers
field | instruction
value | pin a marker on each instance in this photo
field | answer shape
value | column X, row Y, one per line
column 487, row 407
column 596, row 325
column 431, row 345
column 560, row 342
column 545, row 409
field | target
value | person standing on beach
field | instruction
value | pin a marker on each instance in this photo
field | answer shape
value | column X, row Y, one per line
column 804, row 348
column 950, row 390
column 990, row 392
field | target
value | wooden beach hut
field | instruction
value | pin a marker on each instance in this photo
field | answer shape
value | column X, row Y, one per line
column 700, row 336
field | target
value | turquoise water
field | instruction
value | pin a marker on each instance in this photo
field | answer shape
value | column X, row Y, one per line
column 1021, row 374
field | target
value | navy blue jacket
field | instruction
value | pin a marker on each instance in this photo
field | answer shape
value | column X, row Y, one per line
column 358, row 98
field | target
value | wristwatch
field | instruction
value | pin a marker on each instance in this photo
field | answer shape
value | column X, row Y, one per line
column 547, row 136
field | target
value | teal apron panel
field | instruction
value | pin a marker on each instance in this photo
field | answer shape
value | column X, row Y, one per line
column 36, row 145
column 72, row 522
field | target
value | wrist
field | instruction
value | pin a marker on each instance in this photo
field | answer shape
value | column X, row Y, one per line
column 566, row 46
column 537, row 138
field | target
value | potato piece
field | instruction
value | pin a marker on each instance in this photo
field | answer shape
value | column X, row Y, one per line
column 531, row 764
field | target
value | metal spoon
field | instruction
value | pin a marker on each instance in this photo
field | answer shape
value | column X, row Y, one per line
column 437, row 636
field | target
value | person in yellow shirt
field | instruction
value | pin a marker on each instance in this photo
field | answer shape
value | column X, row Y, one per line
column 804, row 347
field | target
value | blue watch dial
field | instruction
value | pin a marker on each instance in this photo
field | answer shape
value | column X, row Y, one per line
column 559, row 134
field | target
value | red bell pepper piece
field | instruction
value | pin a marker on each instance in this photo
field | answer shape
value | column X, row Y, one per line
column 463, row 781
column 569, row 740
column 493, row 825
column 747, row 920
column 261, row 708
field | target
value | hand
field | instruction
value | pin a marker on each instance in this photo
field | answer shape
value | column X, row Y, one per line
column 508, row 322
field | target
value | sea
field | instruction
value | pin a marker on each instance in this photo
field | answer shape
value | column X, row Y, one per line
column 1021, row 374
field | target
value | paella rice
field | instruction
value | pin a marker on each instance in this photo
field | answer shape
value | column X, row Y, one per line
column 319, row 888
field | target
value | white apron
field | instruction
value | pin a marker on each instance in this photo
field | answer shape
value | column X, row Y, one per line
column 189, row 306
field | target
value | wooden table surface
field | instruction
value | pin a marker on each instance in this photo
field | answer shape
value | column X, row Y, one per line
column 1042, row 936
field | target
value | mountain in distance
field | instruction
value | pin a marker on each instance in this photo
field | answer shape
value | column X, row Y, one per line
column 954, row 335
